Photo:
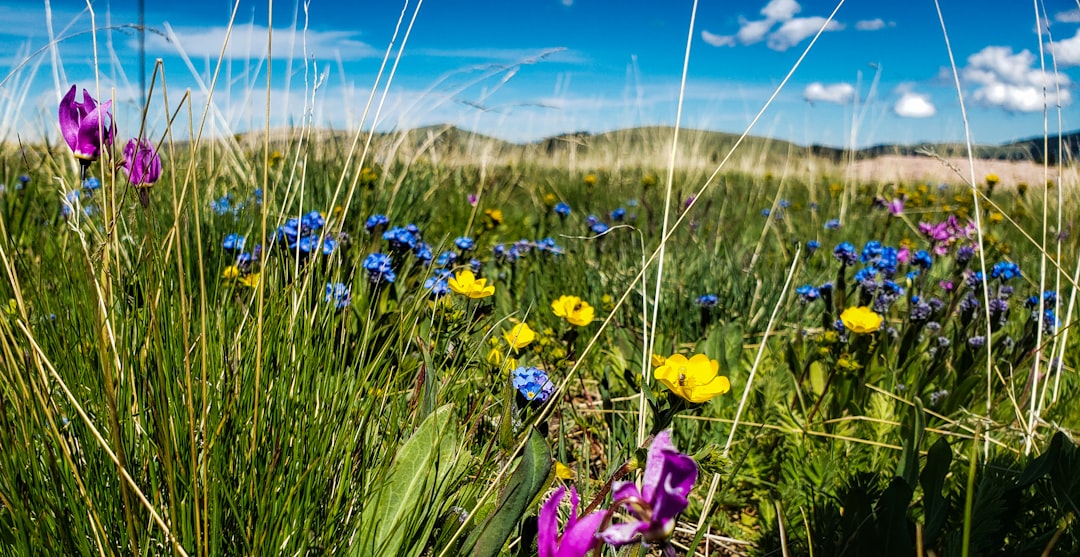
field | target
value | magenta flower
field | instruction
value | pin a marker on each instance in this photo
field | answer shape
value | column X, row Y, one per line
column 669, row 477
column 579, row 535
column 87, row 126
column 896, row 206
column 143, row 167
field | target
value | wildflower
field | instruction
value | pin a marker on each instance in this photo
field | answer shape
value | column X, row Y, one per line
column 550, row 199
column 992, row 180
column 91, row 184
column 922, row 259
column 520, row 336
column 563, row 472
column 368, row 177
column 422, row 251
column 533, row 383
column 649, row 180
column 590, row 180
column 251, row 281
column 707, row 300
column 861, row 320
column 223, row 204
column 1005, row 270
column 896, row 206
column 233, row 242
column 578, row 535
column 375, row 222
column 143, row 167
column 446, row 258
column 338, row 294
column 832, row 224
column 657, row 360
column 562, row 209
column 495, row 217
column 807, row 293
column 812, row 246
column 379, row 268
column 845, row 254
column 467, row 284
column 312, row 222
column 766, row 212
column 618, row 214
column 472, row 199
column 669, row 477
column 438, row 283
column 575, row 310
column 87, row 126
column 599, row 228
column 401, row 239
column 695, row 380
column 464, row 243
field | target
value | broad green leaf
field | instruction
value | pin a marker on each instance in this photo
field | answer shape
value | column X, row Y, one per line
column 526, row 482
column 401, row 516
column 932, row 479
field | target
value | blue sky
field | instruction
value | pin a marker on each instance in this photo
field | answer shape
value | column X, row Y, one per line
column 525, row 69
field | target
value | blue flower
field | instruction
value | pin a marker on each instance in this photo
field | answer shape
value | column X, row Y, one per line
column 599, row 228
column 832, row 224
column 618, row 214
column 438, row 283
column 766, row 212
column 223, row 204
column 784, row 204
column 1005, row 270
column 379, row 268
column 812, row 246
column 922, row 259
column 562, row 209
column 807, row 293
column 400, row 239
column 338, row 294
column 707, row 300
column 446, row 259
column 464, row 243
column 533, row 383
column 91, row 184
column 845, row 254
column 1049, row 300
column 289, row 232
column 422, row 251
column 591, row 220
column 871, row 251
column 233, row 242
column 375, row 221
column 329, row 245
column 964, row 255
column 312, row 222
column 974, row 279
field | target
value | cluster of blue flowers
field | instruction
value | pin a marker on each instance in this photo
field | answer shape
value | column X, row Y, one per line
column 229, row 205
column 533, row 383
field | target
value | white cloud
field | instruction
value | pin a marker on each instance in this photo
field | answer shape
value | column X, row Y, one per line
column 794, row 31
column 751, row 32
column 1008, row 80
column 1067, row 52
column 249, row 41
column 870, row 24
column 567, row 3
column 914, row 105
column 1070, row 16
column 717, row 40
column 838, row 93
column 780, row 10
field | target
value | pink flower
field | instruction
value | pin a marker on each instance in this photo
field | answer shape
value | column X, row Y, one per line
column 87, row 127
column 578, row 536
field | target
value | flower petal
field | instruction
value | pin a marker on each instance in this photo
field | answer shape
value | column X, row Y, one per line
column 623, row 533
column 69, row 116
column 654, row 465
column 580, row 537
column 547, row 525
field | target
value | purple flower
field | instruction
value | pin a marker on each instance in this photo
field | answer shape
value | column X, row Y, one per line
column 896, row 206
column 141, row 163
column 533, row 383
column 579, row 534
column 669, row 477
column 87, row 126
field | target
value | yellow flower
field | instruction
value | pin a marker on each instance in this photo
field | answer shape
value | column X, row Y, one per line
column 607, row 302
column 495, row 357
column 658, row 360
column 590, row 180
column 520, row 336
column 466, row 283
column 996, row 217
column 251, row 280
column 12, row 307
column 695, row 380
column 495, row 217
column 861, row 319
column 992, row 179
column 649, row 180
column 230, row 272
column 573, row 309
column 563, row 472
column 550, row 200
column 368, row 177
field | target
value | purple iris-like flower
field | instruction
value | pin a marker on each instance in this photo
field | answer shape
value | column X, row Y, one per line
column 669, row 477
column 579, row 534
column 141, row 163
column 87, row 126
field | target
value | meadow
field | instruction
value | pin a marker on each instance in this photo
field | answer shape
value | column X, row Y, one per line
column 304, row 342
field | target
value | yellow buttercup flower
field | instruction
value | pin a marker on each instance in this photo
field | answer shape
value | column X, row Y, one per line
column 658, row 360
column 563, row 472
column 467, row 284
column 573, row 309
column 550, row 200
column 861, row 320
column 230, row 272
column 251, row 280
column 695, row 380
column 520, row 336
column 495, row 216
column 590, row 180
column 992, row 179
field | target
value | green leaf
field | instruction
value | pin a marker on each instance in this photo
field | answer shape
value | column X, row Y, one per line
column 818, row 377
column 932, row 479
column 913, row 432
column 400, row 518
column 525, row 484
